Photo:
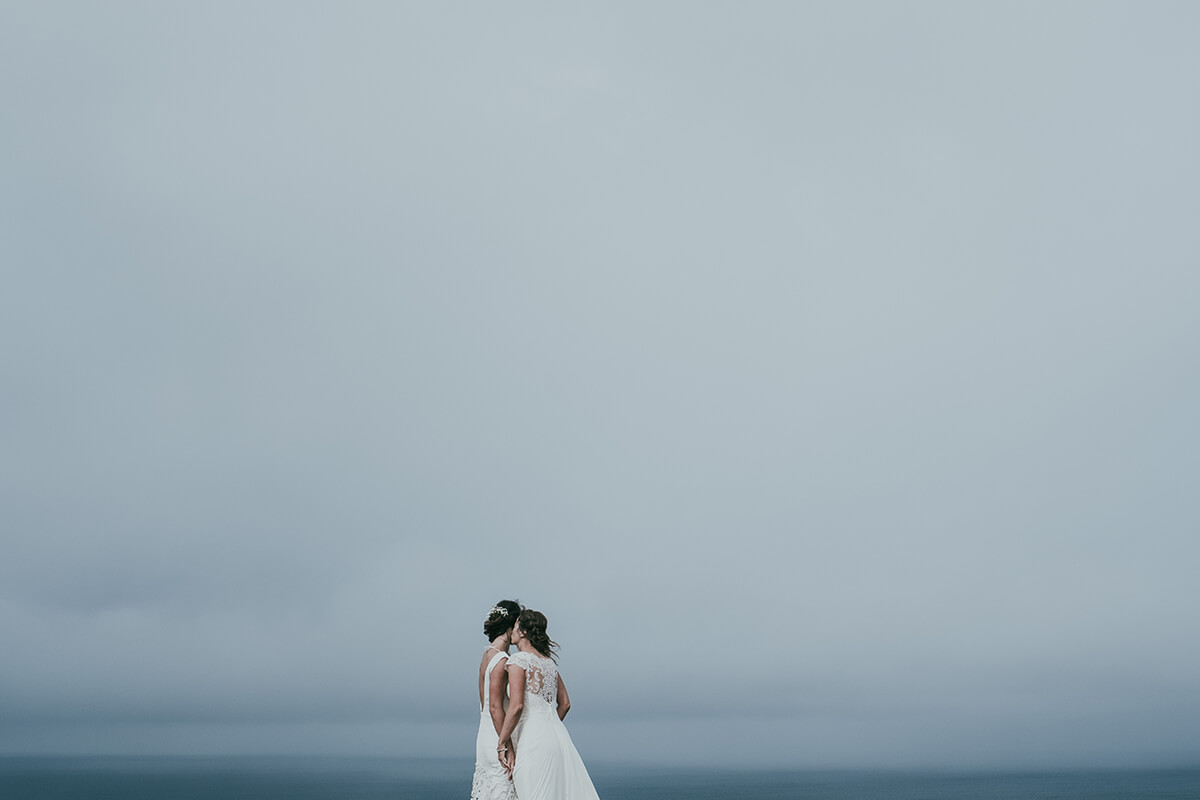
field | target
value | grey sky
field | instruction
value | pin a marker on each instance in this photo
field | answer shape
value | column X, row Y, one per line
column 826, row 373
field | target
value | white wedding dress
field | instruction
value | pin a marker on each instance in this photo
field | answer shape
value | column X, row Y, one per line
column 491, row 782
column 548, row 765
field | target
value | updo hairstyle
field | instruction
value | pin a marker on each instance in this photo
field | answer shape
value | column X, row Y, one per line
column 501, row 619
column 533, row 626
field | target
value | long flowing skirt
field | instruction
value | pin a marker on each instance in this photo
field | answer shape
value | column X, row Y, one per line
column 548, row 765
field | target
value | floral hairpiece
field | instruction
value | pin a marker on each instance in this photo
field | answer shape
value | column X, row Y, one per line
column 497, row 610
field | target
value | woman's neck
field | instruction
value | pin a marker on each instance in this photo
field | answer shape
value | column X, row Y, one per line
column 501, row 643
column 526, row 647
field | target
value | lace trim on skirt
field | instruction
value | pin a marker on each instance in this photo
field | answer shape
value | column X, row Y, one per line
column 487, row 786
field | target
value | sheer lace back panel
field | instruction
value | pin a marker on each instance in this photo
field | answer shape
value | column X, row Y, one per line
column 541, row 676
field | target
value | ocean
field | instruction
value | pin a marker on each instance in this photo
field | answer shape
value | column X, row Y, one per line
column 161, row 778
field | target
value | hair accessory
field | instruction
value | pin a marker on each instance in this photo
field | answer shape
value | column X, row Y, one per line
column 497, row 611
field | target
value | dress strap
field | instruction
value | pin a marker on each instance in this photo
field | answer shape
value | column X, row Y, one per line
column 487, row 676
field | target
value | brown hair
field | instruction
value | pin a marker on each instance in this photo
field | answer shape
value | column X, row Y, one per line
column 533, row 625
column 501, row 618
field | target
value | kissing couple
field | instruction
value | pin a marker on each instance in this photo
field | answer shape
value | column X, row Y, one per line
column 523, row 750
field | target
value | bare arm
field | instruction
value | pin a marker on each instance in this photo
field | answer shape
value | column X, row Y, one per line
column 496, row 697
column 564, row 700
column 516, row 704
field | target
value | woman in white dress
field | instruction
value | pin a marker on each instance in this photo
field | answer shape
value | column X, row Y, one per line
column 492, row 780
column 534, row 743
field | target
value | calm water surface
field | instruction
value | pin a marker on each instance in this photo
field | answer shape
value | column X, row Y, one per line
column 363, row 779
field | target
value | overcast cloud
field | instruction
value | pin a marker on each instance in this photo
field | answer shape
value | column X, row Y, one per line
column 827, row 373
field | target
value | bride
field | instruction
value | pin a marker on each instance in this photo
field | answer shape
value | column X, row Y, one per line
column 492, row 781
column 534, row 743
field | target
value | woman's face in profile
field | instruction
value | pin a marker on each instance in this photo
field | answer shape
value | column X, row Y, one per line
column 516, row 632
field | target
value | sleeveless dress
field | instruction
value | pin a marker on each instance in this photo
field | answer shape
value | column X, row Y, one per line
column 548, row 766
column 491, row 782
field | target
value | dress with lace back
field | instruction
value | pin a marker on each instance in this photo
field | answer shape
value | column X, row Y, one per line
column 541, row 676
column 548, row 767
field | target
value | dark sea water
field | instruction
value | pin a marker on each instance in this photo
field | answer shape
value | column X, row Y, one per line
column 359, row 779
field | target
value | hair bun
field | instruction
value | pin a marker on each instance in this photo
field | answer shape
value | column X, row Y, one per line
column 501, row 618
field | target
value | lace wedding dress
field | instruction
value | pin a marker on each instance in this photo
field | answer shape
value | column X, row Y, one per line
column 491, row 782
column 548, row 765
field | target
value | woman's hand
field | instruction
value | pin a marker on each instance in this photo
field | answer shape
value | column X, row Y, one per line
column 507, row 755
column 505, row 750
